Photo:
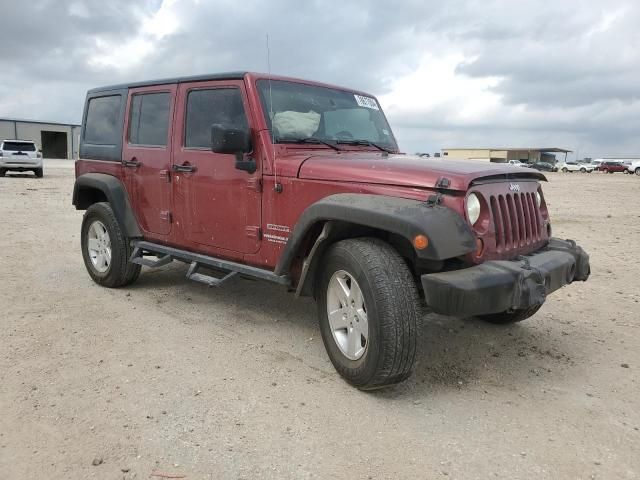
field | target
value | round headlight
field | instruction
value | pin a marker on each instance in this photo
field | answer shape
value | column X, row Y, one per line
column 538, row 198
column 473, row 208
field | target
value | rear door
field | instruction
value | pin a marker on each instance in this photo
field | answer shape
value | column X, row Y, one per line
column 146, row 156
column 216, row 205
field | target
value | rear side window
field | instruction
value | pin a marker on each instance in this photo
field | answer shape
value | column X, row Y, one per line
column 101, row 126
column 208, row 107
column 19, row 146
column 149, row 119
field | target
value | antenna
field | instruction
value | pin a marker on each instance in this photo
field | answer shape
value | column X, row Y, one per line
column 277, row 186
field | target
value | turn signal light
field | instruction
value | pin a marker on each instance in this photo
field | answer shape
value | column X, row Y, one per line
column 420, row 242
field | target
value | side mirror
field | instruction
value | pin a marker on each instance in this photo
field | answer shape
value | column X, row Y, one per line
column 229, row 140
column 234, row 141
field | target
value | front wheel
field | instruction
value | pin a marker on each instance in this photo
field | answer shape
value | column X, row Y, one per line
column 637, row 171
column 604, row 170
column 565, row 170
column 368, row 310
column 510, row 316
column 106, row 249
column 3, row 171
column 583, row 170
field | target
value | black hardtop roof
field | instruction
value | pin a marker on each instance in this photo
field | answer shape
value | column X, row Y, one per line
column 162, row 81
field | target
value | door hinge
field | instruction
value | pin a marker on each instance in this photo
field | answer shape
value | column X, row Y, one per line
column 165, row 215
column 254, row 232
column 255, row 184
column 164, row 174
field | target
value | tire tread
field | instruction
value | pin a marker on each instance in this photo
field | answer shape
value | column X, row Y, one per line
column 398, row 309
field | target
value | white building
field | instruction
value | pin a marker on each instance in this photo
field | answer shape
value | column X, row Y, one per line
column 56, row 140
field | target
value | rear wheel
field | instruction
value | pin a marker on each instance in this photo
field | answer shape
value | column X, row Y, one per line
column 3, row 171
column 565, row 170
column 105, row 248
column 368, row 310
column 39, row 172
column 510, row 316
column 637, row 171
column 583, row 170
column 604, row 170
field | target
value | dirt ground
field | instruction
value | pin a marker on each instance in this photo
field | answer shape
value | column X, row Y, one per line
column 171, row 377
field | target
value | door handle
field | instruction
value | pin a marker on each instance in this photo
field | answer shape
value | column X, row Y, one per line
column 133, row 163
column 184, row 168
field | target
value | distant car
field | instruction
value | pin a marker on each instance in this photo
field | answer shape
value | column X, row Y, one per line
column 576, row 167
column 20, row 156
column 544, row 167
column 518, row 163
column 612, row 167
column 634, row 167
column 627, row 165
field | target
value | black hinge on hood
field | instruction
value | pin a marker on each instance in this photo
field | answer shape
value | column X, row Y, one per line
column 443, row 182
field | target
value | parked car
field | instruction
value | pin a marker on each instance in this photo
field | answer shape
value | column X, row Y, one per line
column 575, row 167
column 518, row 163
column 20, row 156
column 302, row 184
column 634, row 167
column 544, row 167
column 612, row 167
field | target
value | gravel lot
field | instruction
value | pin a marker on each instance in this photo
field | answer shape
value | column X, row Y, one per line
column 171, row 377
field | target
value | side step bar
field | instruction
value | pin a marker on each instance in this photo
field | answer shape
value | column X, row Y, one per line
column 167, row 254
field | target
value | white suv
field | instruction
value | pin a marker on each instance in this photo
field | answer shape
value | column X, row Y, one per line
column 20, row 156
column 634, row 167
column 576, row 167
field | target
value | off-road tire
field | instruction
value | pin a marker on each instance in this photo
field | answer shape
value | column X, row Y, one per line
column 120, row 271
column 514, row 316
column 392, row 308
column 39, row 172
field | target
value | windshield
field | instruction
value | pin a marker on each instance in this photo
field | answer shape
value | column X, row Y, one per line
column 295, row 112
column 19, row 146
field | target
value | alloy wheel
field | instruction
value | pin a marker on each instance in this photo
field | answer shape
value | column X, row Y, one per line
column 99, row 246
column 347, row 315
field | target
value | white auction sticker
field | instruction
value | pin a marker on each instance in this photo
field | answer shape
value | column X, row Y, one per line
column 366, row 102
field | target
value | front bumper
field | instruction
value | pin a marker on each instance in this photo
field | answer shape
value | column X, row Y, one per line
column 502, row 285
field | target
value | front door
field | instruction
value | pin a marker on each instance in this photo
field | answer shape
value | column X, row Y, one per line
column 216, row 205
column 146, row 156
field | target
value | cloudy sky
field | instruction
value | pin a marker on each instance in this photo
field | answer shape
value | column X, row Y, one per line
column 448, row 73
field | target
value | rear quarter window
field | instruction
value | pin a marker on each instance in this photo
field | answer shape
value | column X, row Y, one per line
column 102, row 124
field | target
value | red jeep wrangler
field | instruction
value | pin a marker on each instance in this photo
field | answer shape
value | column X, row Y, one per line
column 302, row 184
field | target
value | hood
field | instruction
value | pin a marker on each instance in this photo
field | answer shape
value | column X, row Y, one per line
column 407, row 170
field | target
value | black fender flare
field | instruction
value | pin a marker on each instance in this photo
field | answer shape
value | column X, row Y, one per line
column 116, row 195
column 448, row 233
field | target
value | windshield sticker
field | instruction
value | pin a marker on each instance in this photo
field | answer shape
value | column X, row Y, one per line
column 366, row 102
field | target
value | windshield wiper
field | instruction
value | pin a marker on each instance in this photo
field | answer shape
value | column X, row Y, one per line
column 310, row 140
column 367, row 143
